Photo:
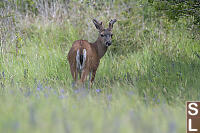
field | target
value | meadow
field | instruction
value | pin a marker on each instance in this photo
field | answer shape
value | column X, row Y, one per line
column 141, row 85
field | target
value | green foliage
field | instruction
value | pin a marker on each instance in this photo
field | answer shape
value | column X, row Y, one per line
column 23, row 6
column 47, row 45
column 175, row 9
column 1, row 4
column 148, row 73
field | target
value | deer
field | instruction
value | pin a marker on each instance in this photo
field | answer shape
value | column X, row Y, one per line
column 84, row 57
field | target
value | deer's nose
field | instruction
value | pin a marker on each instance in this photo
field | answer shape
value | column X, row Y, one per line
column 108, row 43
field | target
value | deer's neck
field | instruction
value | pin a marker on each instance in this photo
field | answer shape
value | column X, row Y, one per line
column 100, row 48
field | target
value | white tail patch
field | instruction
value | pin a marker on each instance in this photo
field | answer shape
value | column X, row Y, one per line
column 84, row 57
column 80, row 65
column 77, row 59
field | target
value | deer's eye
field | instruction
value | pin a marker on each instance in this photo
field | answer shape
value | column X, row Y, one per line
column 102, row 35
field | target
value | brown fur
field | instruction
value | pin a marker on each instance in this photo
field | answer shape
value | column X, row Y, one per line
column 94, row 52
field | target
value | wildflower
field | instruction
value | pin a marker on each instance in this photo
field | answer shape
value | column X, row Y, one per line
column 109, row 97
column 61, row 96
column 62, row 90
column 130, row 93
column 3, row 74
column 98, row 90
column 158, row 100
column 38, row 89
column 54, row 92
column 46, row 95
column 76, row 91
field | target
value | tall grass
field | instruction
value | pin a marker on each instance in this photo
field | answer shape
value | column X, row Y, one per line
column 141, row 85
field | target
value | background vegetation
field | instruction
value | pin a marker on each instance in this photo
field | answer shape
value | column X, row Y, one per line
column 141, row 85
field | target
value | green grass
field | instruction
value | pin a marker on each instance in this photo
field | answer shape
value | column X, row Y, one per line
column 138, row 91
column 87, row 112
column 144, row 79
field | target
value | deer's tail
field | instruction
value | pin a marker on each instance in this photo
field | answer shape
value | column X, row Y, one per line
column 80, row 59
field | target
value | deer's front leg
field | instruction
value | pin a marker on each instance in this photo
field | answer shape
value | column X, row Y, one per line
column 93, row 77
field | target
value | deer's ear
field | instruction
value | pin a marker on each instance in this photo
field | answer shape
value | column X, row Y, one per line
column 98, row 25
column 111, row 23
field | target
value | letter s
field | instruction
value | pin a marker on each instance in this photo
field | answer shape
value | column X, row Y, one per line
column 192, row 108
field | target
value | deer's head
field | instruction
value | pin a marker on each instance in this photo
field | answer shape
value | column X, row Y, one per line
column 105, row 35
